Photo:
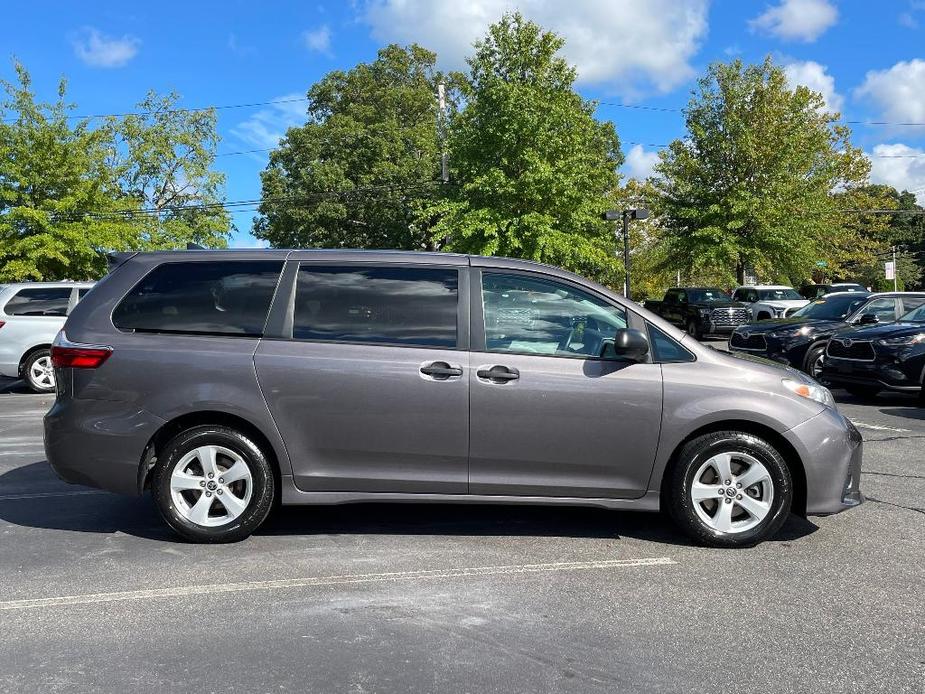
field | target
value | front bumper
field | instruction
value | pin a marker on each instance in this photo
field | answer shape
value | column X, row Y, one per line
column 98, row 443
column 831, row 449
column 881, row 373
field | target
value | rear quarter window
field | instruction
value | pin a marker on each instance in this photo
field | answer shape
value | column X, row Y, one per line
column 204, row 298
column 39, row 301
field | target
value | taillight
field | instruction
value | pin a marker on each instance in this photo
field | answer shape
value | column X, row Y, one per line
column 78, row 357
column 2, row 323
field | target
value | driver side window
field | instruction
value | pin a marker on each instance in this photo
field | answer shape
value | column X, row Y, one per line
column 533, row 315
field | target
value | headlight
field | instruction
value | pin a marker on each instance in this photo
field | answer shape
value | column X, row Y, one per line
column 791, row 332
column 812, row 391
column 904, row 340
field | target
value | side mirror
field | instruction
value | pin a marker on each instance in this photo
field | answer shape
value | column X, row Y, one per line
column 868, row 319
column 628, row 344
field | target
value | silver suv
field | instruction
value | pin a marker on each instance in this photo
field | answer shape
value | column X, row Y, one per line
column 31, row 314
column 224, row 380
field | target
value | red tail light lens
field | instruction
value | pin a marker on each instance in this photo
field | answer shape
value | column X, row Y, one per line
column 2, row 323
column 78, row 357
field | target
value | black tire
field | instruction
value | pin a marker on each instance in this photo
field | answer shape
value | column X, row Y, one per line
column 816, row 353
column 34, row 384
column 262, row 480
column 676, row 497
column 865, row 392
column 694, row 330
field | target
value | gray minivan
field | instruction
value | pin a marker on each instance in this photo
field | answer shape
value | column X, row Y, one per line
column 224, row 380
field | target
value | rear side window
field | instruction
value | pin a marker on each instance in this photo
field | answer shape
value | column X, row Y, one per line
column 405, row 306
column 44, row 301
column 209, row 298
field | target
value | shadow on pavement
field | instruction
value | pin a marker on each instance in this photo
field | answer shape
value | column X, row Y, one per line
column 109, row 513
column 8, row 386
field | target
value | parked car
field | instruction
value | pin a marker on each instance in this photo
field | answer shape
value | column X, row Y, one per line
column 701, row 311
column 891, row 356
column 800, row 340
column 814, row 291
column 222, row 380
column 31, row 314
column 770, row 301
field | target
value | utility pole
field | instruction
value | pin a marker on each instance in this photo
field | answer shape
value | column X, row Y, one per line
column 626, row 216
column 895, row 274
column 441, row 132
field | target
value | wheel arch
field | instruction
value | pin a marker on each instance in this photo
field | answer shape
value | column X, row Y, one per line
column 204, row 418
column 784, row 447
column 28, row 353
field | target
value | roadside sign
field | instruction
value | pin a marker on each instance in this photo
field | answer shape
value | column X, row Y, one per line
column 890, row 269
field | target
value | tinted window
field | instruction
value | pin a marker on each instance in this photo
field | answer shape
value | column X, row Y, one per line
column 831, row 307
column 883, row 309
column 45, row 301
column 384, row 305
column 910, row 303
column 213, row 298
column 81, row 293
column 539, row 316
column 666, row 350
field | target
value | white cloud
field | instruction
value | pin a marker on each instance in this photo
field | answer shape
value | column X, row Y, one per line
column 625, row 43
column 796, row 20
column 639, row 163
column 900, row 166
column 815, row 76
column 245, row 240
column 98, row 50
column 318, row 40
column 265, row 128
column 899, row 91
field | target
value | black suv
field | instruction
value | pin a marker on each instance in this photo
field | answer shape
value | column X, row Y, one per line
column 800, row 340
column 701, row 310
column 868, row 359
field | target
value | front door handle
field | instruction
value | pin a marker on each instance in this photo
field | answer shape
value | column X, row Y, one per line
column 440, row 370
column 498, row 374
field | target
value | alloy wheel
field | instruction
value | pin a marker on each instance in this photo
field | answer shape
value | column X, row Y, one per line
column 732, row 492
column 41, row 373
column 211, row 486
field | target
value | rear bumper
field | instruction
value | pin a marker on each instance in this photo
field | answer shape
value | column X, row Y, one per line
column 98, row 443
column 831, row 449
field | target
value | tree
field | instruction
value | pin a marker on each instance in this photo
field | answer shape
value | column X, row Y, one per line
column 70, row 192
column 59, row 204
column 163, row 159
column 368, row 158
column 532, row 169
column 753, row 184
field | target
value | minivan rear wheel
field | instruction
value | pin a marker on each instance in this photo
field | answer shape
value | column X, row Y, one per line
column 729, row 489
column 38, row 372
column 213, row 484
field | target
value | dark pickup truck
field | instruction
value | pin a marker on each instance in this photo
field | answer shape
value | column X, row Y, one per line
column 701, row 310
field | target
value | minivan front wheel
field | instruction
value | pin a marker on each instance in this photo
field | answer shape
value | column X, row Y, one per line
column 729, row 489
column 213, row 484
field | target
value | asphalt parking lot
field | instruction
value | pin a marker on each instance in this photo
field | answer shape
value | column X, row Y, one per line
column 96, row 594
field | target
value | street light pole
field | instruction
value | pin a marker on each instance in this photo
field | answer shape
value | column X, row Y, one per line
column 625, row 216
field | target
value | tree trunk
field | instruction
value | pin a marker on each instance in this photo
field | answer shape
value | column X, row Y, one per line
column 740, row 272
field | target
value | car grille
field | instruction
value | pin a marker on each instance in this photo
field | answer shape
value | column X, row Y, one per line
column 756, row 342
column 845, row 348
column 729, row 317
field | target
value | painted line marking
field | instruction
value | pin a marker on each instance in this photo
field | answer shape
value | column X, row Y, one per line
column 346, row 579
column 878, row 427
column 46, row 495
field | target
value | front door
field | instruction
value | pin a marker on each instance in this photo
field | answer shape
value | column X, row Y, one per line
column 549, row 416
column 371, row 393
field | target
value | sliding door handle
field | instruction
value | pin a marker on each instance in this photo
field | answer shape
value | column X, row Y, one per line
column 498, row 374
column 440, row 370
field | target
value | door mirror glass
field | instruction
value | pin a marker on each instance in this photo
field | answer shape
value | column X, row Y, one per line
column 868, row 319
column 629, row 344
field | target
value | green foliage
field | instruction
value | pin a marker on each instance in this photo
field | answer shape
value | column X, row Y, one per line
column 532, row 168
column 368, row 159
column 69, row 192
column 752, row 183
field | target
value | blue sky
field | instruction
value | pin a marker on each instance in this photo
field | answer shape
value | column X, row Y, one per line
column 868, row 59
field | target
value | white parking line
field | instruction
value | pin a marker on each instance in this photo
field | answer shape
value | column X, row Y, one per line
column 877, row 427
column 183, row 591
column 45, row 495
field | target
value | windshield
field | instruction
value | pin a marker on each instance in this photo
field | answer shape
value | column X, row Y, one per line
column 778, row 295
column 830, row 307
column 916, row 315
column 707, row 296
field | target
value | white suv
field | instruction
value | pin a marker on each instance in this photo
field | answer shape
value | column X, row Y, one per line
column 31, row 314
column 770, row 301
